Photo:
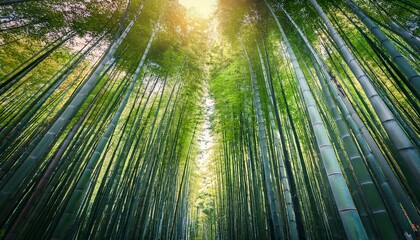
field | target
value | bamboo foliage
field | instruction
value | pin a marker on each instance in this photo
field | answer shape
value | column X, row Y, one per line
column 255, row 128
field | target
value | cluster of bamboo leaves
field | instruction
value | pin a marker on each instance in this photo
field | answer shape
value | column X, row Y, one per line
column 317, row 120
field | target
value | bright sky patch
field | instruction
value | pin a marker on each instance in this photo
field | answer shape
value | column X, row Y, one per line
column 203, row 8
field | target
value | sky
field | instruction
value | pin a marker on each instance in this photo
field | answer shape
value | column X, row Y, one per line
column 203, row 8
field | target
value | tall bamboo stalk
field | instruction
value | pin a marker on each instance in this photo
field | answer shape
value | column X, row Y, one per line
column 348, row 212
column 408, row 154
column 283, row 174
column 28, row 163
column 272, row 202
column 412, row 76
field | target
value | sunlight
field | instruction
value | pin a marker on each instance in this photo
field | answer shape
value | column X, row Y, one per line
column 203, row 8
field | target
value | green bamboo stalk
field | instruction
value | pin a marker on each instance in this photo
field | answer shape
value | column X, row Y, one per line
column 348, row 212
column 16, row 180
column 78, row 195
column 409, row 155
column 379, row 165
column 361, row 171
column 408, row 37
column 11, row 132
column 277, row 234
column 402, row 64
column 16, row 75
column 283, row 174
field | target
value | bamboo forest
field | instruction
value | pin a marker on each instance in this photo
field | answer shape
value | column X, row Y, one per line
column 210, row 119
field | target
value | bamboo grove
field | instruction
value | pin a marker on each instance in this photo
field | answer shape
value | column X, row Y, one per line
column 314, row 130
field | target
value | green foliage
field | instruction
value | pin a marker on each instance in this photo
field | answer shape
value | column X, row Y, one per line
column 40, row 18
column 146, row 181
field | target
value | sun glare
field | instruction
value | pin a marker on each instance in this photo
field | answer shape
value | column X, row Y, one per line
column 203, row 8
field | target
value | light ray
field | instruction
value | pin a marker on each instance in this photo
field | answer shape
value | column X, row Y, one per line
column 203, row 8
